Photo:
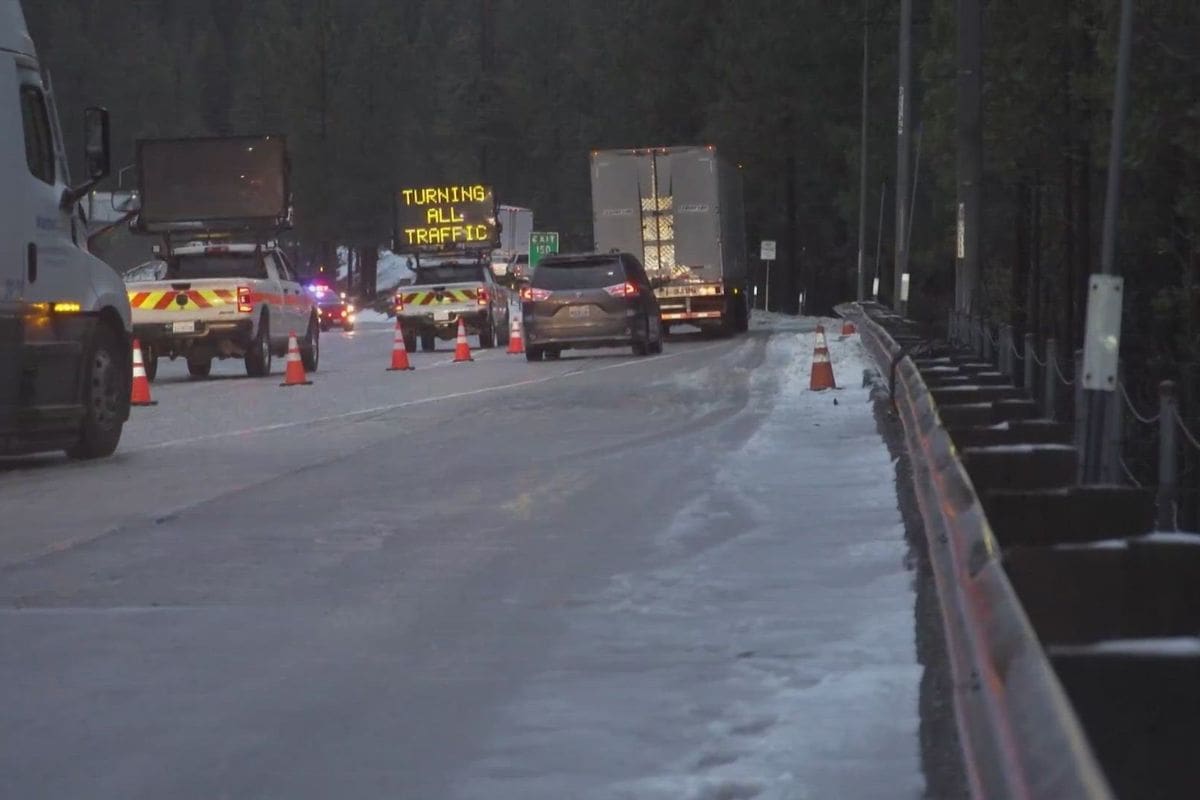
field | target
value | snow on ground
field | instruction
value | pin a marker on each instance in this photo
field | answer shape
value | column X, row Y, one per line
column 769, row 655
column 369, row 316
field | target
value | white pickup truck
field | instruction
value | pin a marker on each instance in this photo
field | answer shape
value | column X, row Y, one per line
column 223, row 301
column 444, row 290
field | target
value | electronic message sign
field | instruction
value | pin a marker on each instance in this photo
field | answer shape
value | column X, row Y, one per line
column 456, row 216
column 217, row 182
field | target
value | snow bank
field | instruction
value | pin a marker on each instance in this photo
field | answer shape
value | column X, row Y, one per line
column 391, row 268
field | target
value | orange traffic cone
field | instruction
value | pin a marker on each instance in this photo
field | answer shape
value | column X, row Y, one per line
column 462, row 350
column 399, row 352
column 139, row 394
column 515, row 343
column 822, row 369
column 294, row 376
column 848, row 328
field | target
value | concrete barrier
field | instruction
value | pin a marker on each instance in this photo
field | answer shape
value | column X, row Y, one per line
column 1020, row 736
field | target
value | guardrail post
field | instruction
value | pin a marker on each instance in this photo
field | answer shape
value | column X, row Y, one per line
column 987, row 341
column 1006, row 356
column 1110, row 446
column 1168, row 476
column 1001, row 337
column 973, row 334
column 951, row 327
column 1050, row 381
column 1030, row 346
column 1081, row 416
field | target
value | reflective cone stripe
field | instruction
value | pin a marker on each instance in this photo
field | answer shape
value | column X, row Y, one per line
column 515, row 343
column 822, row 370
column 139, row 394
column 294, row 376
column 399, row 351
column 462, row 350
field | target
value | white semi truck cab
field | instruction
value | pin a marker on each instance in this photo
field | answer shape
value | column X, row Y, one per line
column 65, row 361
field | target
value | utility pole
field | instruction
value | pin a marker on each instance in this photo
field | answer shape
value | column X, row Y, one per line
column 1102, row 336
column 862, row 163
column 903, row 145
column 970, row 152
column 879, row 241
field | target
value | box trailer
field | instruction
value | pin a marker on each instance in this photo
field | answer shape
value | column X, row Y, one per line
column 678, row 209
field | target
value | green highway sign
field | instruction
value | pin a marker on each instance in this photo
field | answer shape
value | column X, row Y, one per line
column 541, row 244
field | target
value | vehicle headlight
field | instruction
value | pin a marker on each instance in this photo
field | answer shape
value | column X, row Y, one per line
column 350, row 307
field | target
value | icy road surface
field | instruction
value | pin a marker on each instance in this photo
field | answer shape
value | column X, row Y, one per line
column 683, row 576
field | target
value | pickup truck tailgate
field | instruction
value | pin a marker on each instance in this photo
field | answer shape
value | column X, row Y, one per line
column 165, row 301
column 451, row 297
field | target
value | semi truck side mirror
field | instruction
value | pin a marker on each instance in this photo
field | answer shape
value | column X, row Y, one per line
column 96, row 143
column 97, row 156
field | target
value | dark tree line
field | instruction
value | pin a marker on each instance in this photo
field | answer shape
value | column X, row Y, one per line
column 376, row 93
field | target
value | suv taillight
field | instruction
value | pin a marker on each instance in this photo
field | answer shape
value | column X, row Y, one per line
column 244, row 304
column 530, row 294
column 399, row 302
column 622, row 290
column 484, row 297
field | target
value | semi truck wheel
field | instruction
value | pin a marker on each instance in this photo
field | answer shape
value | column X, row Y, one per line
column 107, row 377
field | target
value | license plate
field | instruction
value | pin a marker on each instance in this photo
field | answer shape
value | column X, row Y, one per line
column 441, row 316
column 578, row 312
column 183, row 327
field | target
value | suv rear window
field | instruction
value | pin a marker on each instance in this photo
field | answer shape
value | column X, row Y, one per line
column 207, row 265
column 448, row 273
column 578, row 274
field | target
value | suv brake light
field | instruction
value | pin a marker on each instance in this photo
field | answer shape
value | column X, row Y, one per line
column 484, row 297
column 399, row 302
column 244, row 304
column 626, row 289
column 531, row 294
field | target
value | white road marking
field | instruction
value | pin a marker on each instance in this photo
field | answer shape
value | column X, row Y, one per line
column 419, row 402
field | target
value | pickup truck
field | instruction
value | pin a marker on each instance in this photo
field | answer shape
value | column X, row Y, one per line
column 223, row 301
column 445, row 291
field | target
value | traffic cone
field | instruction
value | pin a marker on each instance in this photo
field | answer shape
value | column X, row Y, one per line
column 139, row 394
column 515, row 344
column 294, row 376
column 848, row 328
column 462, row 350
column 822, row 369
column 399, row 352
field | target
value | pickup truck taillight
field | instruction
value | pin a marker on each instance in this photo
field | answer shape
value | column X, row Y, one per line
column 483, row 296
column 622, row 290
column 245, row 306
column 530, row 294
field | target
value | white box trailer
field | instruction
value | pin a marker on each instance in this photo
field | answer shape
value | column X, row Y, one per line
column 65, row 362
column 679, row 210
column 516, row 224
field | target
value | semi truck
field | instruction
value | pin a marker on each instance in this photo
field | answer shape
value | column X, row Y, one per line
column 679, row 210
column 65, row 365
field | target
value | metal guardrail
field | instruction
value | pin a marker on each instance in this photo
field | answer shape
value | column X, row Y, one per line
column 1019, row 734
